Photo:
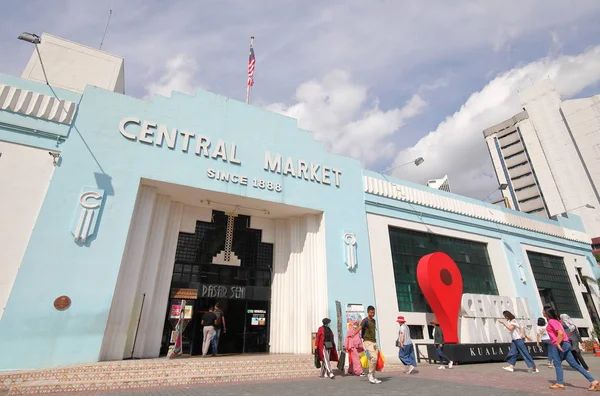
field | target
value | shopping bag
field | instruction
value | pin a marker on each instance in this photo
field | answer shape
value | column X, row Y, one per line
column 317, row 361
column 364, row 360
column 380, row 361
column 341, row 361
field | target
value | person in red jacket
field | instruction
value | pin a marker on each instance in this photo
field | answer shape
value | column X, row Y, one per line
column 326, row 349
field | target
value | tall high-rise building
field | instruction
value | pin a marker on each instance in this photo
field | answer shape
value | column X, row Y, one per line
column 439, row 184
column 549, row 155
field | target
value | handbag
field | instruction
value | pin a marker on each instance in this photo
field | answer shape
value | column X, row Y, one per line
column 328, row 345
column 364, row 361
column 317, row 361
column 342, row 361
column 380, row 362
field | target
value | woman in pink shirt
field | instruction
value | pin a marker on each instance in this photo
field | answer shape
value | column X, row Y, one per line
column 562, row 351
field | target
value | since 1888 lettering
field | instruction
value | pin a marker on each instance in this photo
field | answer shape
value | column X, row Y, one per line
column 229, row 177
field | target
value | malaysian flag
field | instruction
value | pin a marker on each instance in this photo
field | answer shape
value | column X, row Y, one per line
column 251, row 64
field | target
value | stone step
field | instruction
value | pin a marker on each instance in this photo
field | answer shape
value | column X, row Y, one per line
column 142, row 372
column 159, row 364
column 55, row 386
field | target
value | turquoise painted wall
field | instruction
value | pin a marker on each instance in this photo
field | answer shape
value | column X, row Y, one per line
column 512, row 237
column 33, row 334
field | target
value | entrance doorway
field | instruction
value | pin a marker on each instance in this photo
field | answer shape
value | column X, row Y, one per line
column 243, row 291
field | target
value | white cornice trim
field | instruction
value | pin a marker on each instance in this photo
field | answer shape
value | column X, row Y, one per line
column 398, row 192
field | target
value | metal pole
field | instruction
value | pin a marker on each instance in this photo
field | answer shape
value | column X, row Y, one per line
column 248, row 87
column 42, row 64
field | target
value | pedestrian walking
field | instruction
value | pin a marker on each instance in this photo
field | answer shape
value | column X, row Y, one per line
column 354, row 347
column 562, row 351
column 208, row 331
column 406, row 351
column 544, row 338
column 368, row 330
column 220, row 326
column 517, row 346
column 575, row 339
column 326, row 348
column 438, row 340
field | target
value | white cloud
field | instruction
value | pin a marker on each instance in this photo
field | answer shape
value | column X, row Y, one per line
column 179, row 75
column 457, row 147
column 340, row 114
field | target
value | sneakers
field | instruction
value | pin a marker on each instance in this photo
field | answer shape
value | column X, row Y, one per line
column 331, row 376
column 363, row 375
column 534, row 369
column 373, row 380
column 442, row 368
column 410, row 369
column 509, row 369
column 450, row 365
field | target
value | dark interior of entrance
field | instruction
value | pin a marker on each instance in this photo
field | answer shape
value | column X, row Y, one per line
column 243, row 292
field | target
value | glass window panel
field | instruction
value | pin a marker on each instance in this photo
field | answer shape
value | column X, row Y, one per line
column 554, row 283
column 409, row 246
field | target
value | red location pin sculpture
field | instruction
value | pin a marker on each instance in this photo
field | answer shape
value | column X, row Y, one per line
column 441, row 283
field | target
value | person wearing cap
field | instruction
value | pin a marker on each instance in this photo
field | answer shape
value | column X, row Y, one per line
column 406, row 351
column 438, row 340
column 353, row 347
column 326, row 349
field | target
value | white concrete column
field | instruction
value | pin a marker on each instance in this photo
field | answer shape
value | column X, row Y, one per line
column 147, row 281
column 154, row 327
column 299, row 288
column 120, row 315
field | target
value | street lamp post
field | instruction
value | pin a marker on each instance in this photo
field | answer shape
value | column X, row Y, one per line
column 417, row 162
column 35, row 40
column 501, row 187
column 582, row 206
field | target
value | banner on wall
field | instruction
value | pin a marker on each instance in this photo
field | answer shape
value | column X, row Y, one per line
column 354, row 312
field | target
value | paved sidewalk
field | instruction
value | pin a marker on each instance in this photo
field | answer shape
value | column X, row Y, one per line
column 464, row 380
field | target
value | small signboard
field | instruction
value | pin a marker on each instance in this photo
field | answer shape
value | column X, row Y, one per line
column 184, row 294
column 176, row 311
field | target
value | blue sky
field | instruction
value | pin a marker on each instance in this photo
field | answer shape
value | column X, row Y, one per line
column 383, row 83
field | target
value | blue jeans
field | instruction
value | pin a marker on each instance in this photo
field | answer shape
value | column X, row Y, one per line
column 406, row 355
column 549, row 349
column 215, row 341
column 439, row 349
column 566, row 354
column 518, row 347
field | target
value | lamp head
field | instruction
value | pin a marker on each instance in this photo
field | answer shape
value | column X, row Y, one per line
column 419, row 161
column 590, row 206
column 503, row 186
column 30, row 38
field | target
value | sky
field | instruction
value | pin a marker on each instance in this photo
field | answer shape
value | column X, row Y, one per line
column 382, row 81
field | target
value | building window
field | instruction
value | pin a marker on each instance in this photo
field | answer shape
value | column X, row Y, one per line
column 583, row 331
column 416, row 332
column 554, row 283
column 409, row 246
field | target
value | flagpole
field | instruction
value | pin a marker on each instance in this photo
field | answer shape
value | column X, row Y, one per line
column 248, row 87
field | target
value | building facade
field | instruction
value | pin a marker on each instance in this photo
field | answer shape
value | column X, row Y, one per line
column 440, row 184
column 111, row 206
column 548, row 154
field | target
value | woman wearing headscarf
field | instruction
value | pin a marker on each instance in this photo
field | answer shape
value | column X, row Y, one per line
column 575, row 339
column 326, row 348
column 353, row 347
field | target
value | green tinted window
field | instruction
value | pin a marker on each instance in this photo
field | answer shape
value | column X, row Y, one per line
column 409, row 246
column 554, row 284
